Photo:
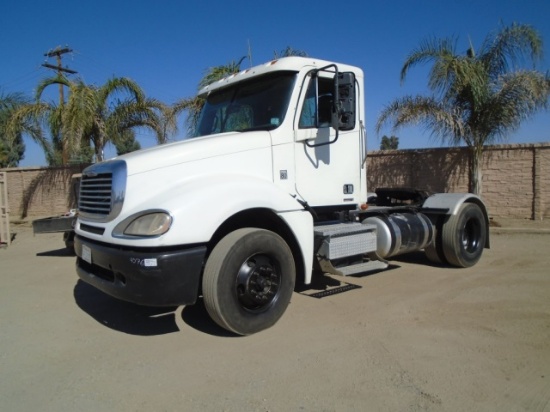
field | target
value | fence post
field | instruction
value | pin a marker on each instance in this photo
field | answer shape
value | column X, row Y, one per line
column 5, row 236
column 537, row 195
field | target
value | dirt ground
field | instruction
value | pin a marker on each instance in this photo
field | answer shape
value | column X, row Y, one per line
column 413, row 338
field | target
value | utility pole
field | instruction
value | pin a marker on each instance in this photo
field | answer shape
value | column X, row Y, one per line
column 58, row 52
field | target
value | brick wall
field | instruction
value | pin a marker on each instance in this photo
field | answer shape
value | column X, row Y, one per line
column 516, row 178
column 40, row 191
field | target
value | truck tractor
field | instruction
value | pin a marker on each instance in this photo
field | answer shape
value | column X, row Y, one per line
column 269, row 192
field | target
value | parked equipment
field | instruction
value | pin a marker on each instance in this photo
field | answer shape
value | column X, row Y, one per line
column 271, row 190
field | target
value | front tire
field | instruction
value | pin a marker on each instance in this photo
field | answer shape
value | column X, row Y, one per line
column 464, row 236
column 248, row 280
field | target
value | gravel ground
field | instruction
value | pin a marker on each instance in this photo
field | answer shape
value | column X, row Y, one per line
column 416, row 337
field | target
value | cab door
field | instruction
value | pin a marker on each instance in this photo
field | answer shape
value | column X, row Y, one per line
column 328, row 163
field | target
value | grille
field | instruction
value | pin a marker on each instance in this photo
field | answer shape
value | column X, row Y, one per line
column 95, row 194
column 102, row 191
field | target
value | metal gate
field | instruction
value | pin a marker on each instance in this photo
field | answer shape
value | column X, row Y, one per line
column 5, row 236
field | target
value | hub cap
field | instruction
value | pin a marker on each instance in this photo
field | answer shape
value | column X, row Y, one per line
column 258, row 283
column 471, row 235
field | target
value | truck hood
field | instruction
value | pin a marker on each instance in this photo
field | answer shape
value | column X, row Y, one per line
column 194, row 149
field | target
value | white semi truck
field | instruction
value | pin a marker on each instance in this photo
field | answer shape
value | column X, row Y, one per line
column 271, row 191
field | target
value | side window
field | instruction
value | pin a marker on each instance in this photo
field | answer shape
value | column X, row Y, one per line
column 313, row 110
column 309, row 109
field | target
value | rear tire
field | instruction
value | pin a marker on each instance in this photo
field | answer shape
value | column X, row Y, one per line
column 434, row 251
column 464, row 235
column 431, row 253
column 248, row 280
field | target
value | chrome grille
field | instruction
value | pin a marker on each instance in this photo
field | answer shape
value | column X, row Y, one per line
column 95, row 194
column 102, row 191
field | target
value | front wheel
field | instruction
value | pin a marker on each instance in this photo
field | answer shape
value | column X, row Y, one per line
column 464, row 236
column 248, row 280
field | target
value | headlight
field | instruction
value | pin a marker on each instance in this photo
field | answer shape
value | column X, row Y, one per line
column 146, row 224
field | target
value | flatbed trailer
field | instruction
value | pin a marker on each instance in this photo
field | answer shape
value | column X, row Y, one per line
column 58, row 224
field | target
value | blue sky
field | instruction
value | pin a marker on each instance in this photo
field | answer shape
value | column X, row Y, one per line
column 166, row 45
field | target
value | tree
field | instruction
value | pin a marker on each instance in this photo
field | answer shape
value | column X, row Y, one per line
column 289, row 51
column 389, row 143
column 479, row 97
column 91, row 118
column 127, row 144
column 12, row 147
column 97, row 116
column 194, row 105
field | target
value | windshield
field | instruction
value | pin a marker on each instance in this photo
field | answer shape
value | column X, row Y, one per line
column 255, row 104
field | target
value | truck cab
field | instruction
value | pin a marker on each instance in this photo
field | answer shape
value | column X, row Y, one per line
column 272, row 188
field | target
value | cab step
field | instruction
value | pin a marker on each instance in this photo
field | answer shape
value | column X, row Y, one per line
column 355, row 269
column 341, row 248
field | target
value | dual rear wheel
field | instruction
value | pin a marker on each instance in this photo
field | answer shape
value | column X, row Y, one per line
column 460, row 239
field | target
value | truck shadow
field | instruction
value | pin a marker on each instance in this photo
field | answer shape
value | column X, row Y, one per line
column 324, row 285
column 140, row 320
column 197, row 317
column 57, row 253
column 416, row 258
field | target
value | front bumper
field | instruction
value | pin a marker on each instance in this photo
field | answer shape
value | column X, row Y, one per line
column 148, row 276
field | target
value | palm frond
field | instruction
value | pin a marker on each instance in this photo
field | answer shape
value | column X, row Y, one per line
column 442, row 121
column 430, row 49
column 49, row 82
column 216, row 73
column 509, row 46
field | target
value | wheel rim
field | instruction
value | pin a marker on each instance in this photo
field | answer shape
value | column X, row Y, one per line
column 471, row 235
column 258, row 283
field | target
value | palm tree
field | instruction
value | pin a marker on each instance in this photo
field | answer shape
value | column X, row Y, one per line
column 94, row 115
column 91, row 118
column 14, row 123
column 12, row 147
column 478, row 98
column 289, row 51
column 194, row 105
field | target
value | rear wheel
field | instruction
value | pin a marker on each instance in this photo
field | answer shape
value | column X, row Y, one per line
column 68, row 238
column 464, row 235
column 248, row 280
column 431, row 253
column 434, row 251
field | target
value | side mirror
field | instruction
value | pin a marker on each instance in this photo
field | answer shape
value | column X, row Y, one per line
column 337, row 107
column 346, row 104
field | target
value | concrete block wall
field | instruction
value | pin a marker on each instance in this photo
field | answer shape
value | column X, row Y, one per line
column 542, row 182
column 516, row 177
column 37, row 192
column 435, row 170
column 516, row 180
